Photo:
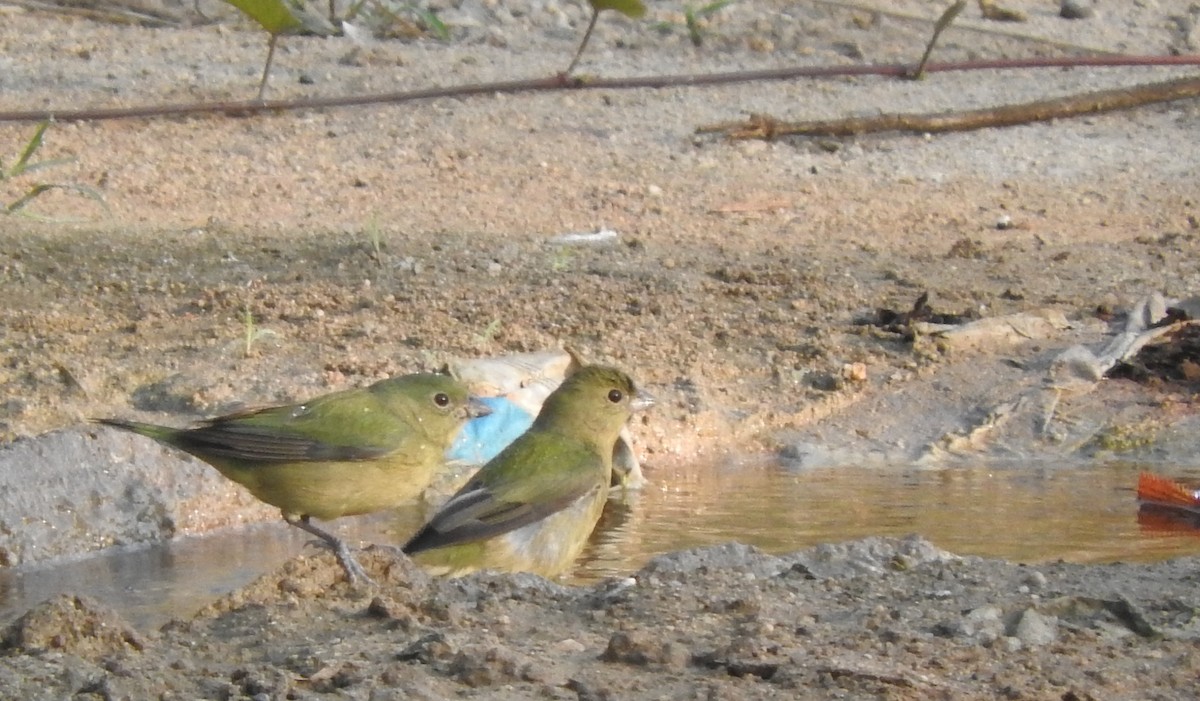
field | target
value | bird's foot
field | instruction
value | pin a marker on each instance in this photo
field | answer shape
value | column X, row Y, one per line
column 345, row 557
column 354, row 571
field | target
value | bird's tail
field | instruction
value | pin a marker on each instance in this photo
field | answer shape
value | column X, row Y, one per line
column 158, row 433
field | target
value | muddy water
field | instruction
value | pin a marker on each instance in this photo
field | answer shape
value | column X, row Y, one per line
column 1023, row 514
column 1078, row 514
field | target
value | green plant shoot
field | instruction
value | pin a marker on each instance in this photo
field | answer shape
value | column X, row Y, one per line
column 25, row 165
column 279, row 17
column 630, row 8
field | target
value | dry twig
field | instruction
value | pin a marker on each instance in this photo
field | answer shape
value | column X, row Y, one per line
column 759, row 126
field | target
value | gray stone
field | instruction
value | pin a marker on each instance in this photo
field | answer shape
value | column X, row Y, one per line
column 984, row 624
column 69, row 492
column 1034, row 630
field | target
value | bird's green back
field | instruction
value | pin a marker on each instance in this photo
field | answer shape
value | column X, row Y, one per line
column 378, row 418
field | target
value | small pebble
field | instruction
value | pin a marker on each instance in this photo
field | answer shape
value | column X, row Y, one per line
column 569, row 646
column 1076, row 9
column 1035, row 580
column 854, row 372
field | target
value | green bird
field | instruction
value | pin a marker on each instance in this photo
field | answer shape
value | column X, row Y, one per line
column 532, row 507
column 351, row 452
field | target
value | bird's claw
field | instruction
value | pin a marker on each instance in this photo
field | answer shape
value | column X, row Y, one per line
column 354, row 571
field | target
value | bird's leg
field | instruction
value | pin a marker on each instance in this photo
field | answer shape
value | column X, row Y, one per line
column 354, row 571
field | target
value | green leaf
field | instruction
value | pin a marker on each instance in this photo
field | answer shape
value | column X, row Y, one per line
column 435, row 24
column 713, row 8
column 31, row 148
column 32, row 167
column 37, row 190
column 275, row 16
column 693, row 28
column 629, row 8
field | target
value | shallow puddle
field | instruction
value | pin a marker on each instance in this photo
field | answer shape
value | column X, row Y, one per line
column 1078, row 514
column 1023, row 514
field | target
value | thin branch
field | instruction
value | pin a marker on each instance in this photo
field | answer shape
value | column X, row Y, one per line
column 242, row 108
column 766, row 127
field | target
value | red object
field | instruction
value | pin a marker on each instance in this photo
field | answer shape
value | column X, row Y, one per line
column 1166, row 506
column 1154, row 489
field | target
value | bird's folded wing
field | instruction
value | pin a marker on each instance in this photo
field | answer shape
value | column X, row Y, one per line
column 255, row 443
column 338, row 431
column 485, row 507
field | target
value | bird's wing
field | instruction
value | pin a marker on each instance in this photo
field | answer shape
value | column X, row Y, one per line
column 533, row 478
column 233, row 441
column 344, row 427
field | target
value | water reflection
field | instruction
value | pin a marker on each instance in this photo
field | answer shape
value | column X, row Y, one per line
column 1079, row 514
column 150, row 585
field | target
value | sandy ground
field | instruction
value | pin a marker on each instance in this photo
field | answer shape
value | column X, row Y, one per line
column 368, row 242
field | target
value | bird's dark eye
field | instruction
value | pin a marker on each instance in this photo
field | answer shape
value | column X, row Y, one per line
column 441, row 399
column 615, row 396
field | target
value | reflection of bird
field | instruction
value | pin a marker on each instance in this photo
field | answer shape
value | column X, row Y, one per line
column 341, row 454
column 612, row 549
column 533, row 506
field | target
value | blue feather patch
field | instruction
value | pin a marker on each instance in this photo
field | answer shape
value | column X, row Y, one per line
column 483, row 437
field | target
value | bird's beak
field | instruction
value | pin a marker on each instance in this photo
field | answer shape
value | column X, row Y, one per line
column 642, row 400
